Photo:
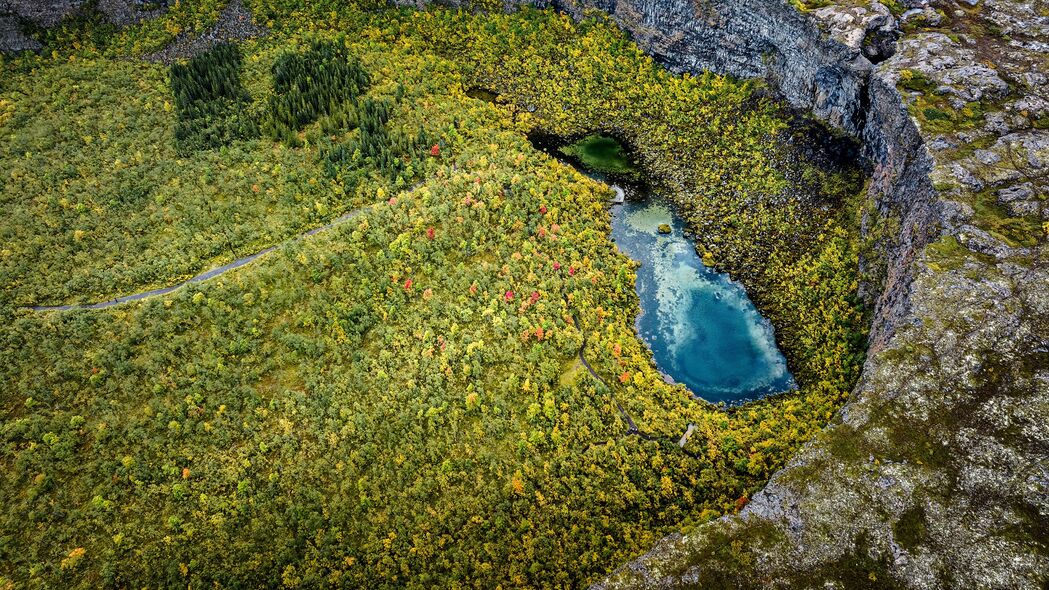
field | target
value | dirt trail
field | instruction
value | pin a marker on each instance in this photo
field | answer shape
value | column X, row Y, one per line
column 204, row 276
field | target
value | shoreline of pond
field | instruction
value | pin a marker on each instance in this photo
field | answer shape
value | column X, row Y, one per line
column 635, row 190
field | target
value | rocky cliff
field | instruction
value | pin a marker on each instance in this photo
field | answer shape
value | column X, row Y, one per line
column 936, row 472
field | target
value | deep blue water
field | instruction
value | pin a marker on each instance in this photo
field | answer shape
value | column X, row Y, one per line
column 703, row 330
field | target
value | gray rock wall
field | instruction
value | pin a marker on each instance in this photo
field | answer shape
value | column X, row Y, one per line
column 818, row 64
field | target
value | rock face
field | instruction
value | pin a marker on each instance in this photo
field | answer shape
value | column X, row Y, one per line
column 48, row 13
column 935, row 474
column 12, row 39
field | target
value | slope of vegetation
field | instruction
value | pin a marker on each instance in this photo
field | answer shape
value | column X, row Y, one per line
column 397, row 402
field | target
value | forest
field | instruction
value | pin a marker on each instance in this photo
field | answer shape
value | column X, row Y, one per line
column 398, row 401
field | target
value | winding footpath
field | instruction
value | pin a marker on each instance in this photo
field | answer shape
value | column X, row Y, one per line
column 204, row 276
column 632, row 429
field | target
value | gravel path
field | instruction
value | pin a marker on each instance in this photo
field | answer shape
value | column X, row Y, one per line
column 631, row 426
column 632, row 429
column 204, row 276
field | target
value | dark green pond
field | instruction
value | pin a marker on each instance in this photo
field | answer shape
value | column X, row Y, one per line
column 602, row 154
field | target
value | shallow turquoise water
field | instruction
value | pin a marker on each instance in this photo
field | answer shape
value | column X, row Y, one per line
column 703, row 330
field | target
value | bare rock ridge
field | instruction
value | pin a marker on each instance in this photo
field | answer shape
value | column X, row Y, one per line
column 935, row 474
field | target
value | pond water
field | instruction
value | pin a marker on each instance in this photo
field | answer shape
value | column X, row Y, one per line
column 703, row 330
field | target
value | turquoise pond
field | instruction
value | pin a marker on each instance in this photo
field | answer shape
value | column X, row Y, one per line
column 703, row 330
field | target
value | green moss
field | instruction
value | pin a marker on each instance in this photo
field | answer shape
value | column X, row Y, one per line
column 947, row 254
column 883, row 232
column 911, row 440
column 804, row 6
column 909, row 530
column 966, row 149
column 936, row 114
column 861, row 569
column 723, row 556
column 915, row 81
column 894, row 7
column 995, row 219
column 844, row 443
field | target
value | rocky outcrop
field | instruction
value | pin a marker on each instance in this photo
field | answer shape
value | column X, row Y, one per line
column 936, row 472
column 15, row 14
column 12, row 38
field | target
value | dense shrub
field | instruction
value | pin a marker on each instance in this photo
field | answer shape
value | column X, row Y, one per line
column 396, row 402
